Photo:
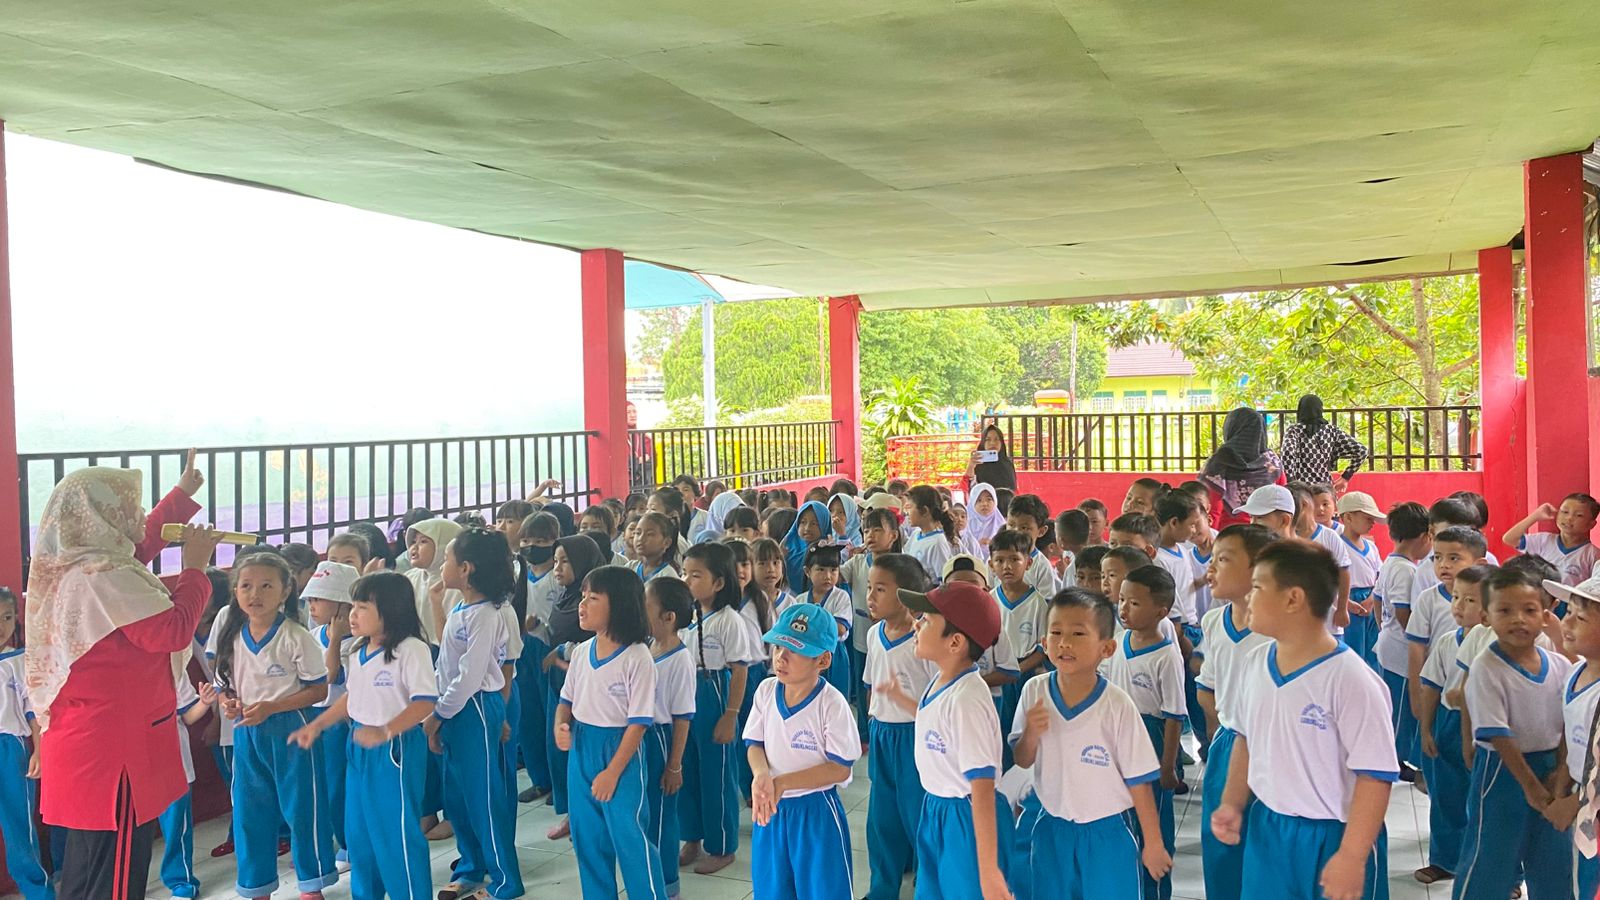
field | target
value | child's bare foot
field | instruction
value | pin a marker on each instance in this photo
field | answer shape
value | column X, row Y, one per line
column 560, row 831
column 689, row 853
column 713, row 864
column 443, row 831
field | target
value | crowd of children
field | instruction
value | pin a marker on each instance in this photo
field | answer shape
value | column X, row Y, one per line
column 1021, row 685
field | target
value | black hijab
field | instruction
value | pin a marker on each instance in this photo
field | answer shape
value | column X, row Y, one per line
column 564, row 515
column 1244, row 440
column 998, row 474
column 584, row 557
column 1310, row 414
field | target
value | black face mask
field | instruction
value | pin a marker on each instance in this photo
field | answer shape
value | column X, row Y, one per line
column 537, row 556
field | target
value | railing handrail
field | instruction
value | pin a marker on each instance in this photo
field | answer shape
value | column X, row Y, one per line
column 295, row 445
column 694, row 429
column 745, row 454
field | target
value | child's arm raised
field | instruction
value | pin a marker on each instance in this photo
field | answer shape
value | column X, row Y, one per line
column 986, row 835
column 1544, row 512
column 1344, row 875
column 1154, row 856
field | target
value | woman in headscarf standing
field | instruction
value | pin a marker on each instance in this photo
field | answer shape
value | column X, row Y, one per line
column 106, row 643
column 1313, row 444
column 1242, row 464
column 991, row 462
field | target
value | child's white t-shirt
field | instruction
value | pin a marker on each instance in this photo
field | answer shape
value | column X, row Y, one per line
column 853, row 576
column 999, row 658
column 1042, row 575
column 895, row 659
column 1092, row 753
column 665, row 570
column 837, row 603
column 932, row 549
column 1312, row 731
column 674, row 685
column 1365, row 562
column 1505, row 700
column 1016, row 785
column 336, row 686
column 720, row 640
column 1223, row 651
column 187, row 698
column 1151, row 676
column 1478, row 639
column 542, row 591
column 821, row 728
column 16, row 711
column 1577, row 714
column 1333, row 543
column 1198, row 562
column 381, row 688
column 755, row 636
column 1427, row 576
column 1396, row 577
column 470, row 652
column 612, row 691
column 1441, row 671
column 1430, row 616
column 1176, row 561
column 281, row 664
column 1022, row 620
column 958, row 736
column 1575, row 564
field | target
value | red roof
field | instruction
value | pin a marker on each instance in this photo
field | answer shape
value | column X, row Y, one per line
column 1154, row 358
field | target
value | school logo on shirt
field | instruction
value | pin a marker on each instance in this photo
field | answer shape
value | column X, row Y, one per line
column 275, row 671
column 1095, row 755
column 461, row 633
column 618, row 690
column 1025, row 629
column 1143, row 680
column 383, row 679
column 711, row 643
column 934, row 741
column 1580, row 733
column 1315, row 716
column 804, row 739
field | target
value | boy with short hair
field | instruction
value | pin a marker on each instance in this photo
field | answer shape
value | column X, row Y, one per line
column 1072, row 535
column 895, row 805
column 1580, row 631
column 998, row 665
column 1454, row 549
column 1136, row 530
column 1315, row 747
column 1029, row 515
column 1308, row 528
column 1228, row 641
column 1514, row 700
column 1149, row 668
column 1088, row 565
column 1413, row 542
column 1359, row 513
column 822, row 571
column 801, row 740
column 1099, row 517
column 1022, row 611
column 1448, row 512
column 1568, row 548
column 1439, row 726
column 1100, row 765
column 963, row 839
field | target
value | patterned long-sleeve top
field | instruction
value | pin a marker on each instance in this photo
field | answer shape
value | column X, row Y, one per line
column 1311, row 458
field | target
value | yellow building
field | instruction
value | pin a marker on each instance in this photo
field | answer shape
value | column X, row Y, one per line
column 1150, row 377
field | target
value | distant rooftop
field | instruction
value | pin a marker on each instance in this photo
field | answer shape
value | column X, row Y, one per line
column 1151, row 358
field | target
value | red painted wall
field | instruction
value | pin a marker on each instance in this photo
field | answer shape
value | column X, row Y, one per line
column 1063, row 490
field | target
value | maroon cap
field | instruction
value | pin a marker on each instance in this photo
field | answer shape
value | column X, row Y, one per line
column 966, row 606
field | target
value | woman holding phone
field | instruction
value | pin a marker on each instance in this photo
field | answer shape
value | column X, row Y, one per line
column 991, row 463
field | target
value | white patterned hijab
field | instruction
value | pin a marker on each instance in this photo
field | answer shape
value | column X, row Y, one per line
column 84, row 582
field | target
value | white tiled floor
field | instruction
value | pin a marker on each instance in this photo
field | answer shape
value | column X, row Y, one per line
column 550, row 869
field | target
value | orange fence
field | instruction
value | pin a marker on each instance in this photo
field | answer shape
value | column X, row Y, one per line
column 930, row 458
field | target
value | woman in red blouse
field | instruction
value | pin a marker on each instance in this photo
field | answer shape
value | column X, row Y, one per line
column 105, row 643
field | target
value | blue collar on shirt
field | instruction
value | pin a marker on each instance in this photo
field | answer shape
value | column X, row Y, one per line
column 1072, row 712
column 1571, row 682
column 1362, row 549
column 1565, row 550
column 638, row 569
column 1000, row 594
column 1234, row 634
column 663, row 656
column 10, row 653
column 368, row 651
column 1280, row 679
column 883, row 638
column 252, row 643
column 1127, row 645
column 787, row 711
column 1544, row 664
column 1172, row 552
column 932, row 693
column 595, row 661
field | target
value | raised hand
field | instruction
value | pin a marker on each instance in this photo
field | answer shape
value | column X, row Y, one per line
column 192, row 478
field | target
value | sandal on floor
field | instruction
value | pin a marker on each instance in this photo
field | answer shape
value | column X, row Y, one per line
column 1431, row 874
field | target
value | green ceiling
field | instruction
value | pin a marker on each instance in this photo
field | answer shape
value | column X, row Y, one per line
column 918, row 152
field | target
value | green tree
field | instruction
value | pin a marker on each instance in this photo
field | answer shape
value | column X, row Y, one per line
column 1044, row 339
column 958, row 356
column 660, row 327
column 1400, row 343
column 768, row 352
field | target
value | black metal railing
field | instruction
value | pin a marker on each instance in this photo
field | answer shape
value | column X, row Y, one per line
column 740, row 455
column 1397, row 438
column 309, row 492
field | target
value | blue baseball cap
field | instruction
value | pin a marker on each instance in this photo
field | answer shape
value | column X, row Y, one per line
column 806, row 629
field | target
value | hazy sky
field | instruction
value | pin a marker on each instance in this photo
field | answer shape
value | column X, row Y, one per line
column 154, row 308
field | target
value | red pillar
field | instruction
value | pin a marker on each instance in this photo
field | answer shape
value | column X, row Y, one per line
column 1505, row 478
column 1558, row 424
column 10, row 494
column 605, row 371
column 844, row 368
